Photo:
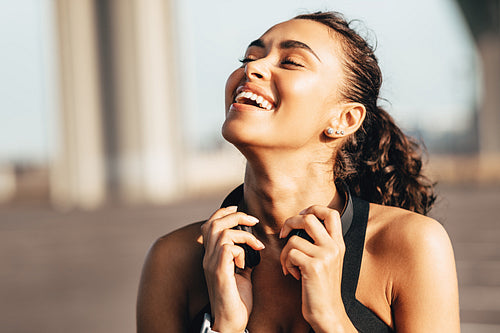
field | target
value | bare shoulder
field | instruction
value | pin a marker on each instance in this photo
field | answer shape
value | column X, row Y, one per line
column 180, row 247
column 417, row 252
column 171, row 271
column 409, row 235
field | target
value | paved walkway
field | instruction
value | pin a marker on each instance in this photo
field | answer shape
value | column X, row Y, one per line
column 78, row 272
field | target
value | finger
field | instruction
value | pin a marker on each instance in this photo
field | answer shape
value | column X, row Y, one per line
column 232, row 236
column 310, row 223
column 229, row 256
column 330, row 217
column 223, row 212
column 295, row 243
column 296, row 261
column 219, row 213
column 295, row 272
column 237, row 254
column 223, row 260
column 232, row 220
column 213, row 227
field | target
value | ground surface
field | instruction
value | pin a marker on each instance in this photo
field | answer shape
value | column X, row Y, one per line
column 78, row 272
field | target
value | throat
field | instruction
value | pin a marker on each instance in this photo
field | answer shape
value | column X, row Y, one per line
column 273, row 205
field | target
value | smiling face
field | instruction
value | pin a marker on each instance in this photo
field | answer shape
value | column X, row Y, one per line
column 286, row 92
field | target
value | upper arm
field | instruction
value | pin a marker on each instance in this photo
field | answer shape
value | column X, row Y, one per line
column 162, row 301
column 425, row 289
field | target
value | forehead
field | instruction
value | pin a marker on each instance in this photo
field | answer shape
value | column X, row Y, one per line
column 317, row 36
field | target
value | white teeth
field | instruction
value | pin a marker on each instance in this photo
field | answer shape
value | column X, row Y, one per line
column 266, row 105
column 239, row 96
column 263, row 103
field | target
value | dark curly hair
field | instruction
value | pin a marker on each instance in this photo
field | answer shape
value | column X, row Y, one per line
column 378, row 162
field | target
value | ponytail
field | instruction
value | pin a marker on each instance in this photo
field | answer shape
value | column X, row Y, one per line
column 379, row 162
column 382, row 165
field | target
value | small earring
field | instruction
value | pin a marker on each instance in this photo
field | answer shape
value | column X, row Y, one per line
column 330, row 130
column 339, row 132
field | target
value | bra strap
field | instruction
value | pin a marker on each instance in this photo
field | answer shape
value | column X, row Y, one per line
column 354, row 245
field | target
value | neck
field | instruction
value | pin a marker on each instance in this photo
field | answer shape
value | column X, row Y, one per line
column 278, row 188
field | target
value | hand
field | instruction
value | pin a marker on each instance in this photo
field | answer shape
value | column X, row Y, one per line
column 230, row 292
column 319, row 265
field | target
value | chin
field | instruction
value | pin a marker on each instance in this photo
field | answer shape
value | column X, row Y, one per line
column 242, row 136
column 232, row 133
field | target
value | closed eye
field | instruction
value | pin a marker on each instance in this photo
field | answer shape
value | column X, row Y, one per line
column 285, row 61
column 290, row 61
column 246, row 60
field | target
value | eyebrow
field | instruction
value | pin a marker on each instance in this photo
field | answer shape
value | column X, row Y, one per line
column 287, row 44
column 257, row 43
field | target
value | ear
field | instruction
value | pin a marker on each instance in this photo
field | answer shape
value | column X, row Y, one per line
column 346, row 122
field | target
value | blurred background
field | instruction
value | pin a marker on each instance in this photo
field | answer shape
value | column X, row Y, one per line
column 110, row 137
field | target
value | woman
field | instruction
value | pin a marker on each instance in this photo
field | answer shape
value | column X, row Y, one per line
column 302, row 109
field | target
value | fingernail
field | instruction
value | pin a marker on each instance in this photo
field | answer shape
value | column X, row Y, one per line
column 261, row 245
column 302, row 211
column 281, row 234
column 252, row 219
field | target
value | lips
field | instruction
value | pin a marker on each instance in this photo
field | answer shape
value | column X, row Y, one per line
column 253, row 96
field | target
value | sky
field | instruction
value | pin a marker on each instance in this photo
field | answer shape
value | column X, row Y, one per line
column 25, row 80
column 425, row 51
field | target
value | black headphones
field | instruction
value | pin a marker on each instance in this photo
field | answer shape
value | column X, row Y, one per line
column 252, row 257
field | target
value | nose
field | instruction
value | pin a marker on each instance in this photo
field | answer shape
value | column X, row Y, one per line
column 257, row 69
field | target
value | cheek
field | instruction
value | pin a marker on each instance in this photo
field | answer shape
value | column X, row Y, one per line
column 306, row 105
column 231, row 84
column 306, row 93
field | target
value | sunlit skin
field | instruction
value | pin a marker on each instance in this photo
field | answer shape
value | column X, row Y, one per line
column 286, row 148
column 407, row 277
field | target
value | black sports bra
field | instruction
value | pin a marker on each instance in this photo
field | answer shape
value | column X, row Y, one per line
column 362, row 318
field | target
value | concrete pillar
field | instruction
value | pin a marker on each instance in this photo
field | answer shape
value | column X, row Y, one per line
column 149, row 144
column 8, row 183
column 77, row 174
column 156, row 102
column 118, row 121
column 127, row 127
column 489, row 113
